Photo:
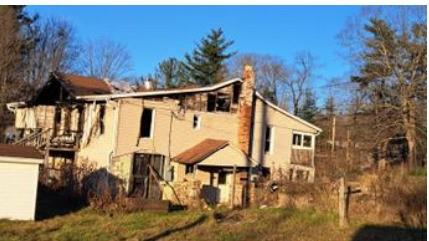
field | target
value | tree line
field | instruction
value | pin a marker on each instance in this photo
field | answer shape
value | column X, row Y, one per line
column 386, row 46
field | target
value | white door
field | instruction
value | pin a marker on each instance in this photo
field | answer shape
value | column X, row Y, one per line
column 224, row 187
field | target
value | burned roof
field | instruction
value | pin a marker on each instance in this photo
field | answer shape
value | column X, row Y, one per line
column 19, row 151
column 80, row 85
column 200, row 151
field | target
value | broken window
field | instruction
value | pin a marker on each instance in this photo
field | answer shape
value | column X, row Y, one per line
column 211, row 102
column 236, row 93
column 268, row 139
column 196, row 122
column 102, row 113
column 223, row 102
column 146, row 123
column 307, row 141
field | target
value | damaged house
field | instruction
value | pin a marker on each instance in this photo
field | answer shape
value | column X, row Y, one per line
column 217, row 138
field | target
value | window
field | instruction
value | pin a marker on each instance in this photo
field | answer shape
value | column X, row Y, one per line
column 211, row 102
column 189, row 169
column 236, row 93
column 302, row 140
column 222, row 178
column 196, row 124
column 146, row 123
column 268, row 139
column 307, row 141
column 296, row 141
column 101, row 118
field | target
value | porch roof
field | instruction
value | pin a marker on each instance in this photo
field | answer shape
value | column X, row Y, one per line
column 212, row 152
column 200, row 151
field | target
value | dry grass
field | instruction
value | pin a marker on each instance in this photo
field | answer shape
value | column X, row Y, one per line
column 249, row 224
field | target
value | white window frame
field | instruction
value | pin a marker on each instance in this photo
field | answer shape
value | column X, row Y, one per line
column 272, row 133
column 198, row 122
column 152, row 124
column 301, row 146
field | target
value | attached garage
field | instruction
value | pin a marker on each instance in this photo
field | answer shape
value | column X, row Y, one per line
column 19, row 173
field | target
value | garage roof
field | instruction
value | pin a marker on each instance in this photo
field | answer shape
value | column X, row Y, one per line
column 20, row 151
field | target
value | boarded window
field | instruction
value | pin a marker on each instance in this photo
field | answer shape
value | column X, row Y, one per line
column 268, row 139
column 146, row 123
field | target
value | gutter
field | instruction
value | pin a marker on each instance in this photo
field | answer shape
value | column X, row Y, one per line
column 13, row 105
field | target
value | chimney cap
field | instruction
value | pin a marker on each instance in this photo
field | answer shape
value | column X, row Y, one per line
column 248, row 73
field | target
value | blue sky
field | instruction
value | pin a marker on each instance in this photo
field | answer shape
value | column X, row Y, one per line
column 153, row 33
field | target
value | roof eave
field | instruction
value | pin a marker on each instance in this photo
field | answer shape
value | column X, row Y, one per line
column 271, row 104
column 161, row 92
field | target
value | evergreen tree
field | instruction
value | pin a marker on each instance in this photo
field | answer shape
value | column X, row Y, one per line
column 394, row 71
column 171, row 73
column 309, row 108
column 206, row 64
column 330, row 106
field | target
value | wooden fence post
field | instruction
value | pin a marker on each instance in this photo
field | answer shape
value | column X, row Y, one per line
column 342, row 206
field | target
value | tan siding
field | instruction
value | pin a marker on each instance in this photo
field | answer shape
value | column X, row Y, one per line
column 283, row 128
column 100, row 147
column 213, row 125
column 128, row 125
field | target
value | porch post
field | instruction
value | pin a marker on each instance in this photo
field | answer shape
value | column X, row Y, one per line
column 234, row 171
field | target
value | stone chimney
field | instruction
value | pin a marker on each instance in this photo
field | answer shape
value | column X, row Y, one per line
column 246, row 109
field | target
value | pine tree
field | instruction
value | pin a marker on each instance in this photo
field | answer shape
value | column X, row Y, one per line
column 309, row 108
column 206, row 64
column 171, row 73
column 394, row 70
column 330, row 106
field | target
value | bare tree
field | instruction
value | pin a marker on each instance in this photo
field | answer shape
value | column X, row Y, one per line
column 56, row 50
column 271, row 73
column 105, row 59
column 15, row 42
column 388, row 50
column 302, row 72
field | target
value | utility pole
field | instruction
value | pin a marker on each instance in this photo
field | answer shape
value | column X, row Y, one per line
column 333, row 134
column 348, row 154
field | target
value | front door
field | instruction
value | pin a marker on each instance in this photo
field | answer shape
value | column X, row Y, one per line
column 147, row 172
column 224, row 187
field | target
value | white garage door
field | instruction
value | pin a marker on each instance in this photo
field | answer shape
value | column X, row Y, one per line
column 18, row 189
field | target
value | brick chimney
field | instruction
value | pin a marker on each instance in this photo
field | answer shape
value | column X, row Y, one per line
column 246, row 109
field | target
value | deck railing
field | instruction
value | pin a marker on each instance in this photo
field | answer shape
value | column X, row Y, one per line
column 46, row 138
column 39, row 139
